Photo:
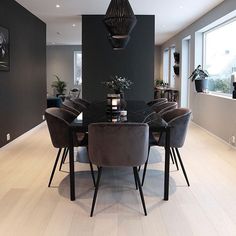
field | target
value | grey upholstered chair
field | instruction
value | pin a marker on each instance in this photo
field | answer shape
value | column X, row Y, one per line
column 157, row 101
column 178, row 120
column 81, row 101
column 73, row 107
column 120, row 144
column 58, row 121
column 164, row 107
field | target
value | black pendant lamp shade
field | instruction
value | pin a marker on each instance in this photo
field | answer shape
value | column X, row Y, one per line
column 118, row 43
column 119, row 21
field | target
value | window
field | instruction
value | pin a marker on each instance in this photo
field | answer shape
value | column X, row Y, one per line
column 172, row 63
column 166, row 66
column 220, row 56
column 77, row 68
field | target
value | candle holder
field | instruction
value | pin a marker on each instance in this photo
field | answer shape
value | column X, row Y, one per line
column 113, row 117
column 113, row 103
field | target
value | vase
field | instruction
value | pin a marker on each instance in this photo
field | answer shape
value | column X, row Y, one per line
column 122, row 96
column 123, row 103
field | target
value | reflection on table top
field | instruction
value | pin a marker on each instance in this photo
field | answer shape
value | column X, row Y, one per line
column 136, row 112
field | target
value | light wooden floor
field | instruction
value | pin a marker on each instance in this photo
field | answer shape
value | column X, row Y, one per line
column 29, row 207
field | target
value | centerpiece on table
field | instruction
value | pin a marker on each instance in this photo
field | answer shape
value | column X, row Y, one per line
column 118, row 84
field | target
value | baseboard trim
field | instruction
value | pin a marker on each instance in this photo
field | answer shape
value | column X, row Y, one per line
column 213, row 135
column 24, row 135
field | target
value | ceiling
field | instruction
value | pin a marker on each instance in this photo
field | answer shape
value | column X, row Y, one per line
column 64, row 22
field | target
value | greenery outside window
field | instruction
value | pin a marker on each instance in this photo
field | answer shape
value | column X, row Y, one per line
column 220, row 57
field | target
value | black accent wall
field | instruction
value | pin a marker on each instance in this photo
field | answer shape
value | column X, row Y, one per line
column 100, row 61
column 23, row 88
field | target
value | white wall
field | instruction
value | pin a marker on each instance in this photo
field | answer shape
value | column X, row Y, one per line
column 60, row 61
column 216, row 114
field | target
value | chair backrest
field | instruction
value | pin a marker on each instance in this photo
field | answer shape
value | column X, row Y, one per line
column 81, row 101
column 73, row 107
column 118, row 144
column 157, row 101
column 154, row 120
column 178, row 120
column 58, row 121
column 74, row 93
column 164, row 107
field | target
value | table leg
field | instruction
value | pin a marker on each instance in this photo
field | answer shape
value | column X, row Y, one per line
column 72, row 171
column 167, row 165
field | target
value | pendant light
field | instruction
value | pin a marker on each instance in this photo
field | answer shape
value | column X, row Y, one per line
column 119, row 21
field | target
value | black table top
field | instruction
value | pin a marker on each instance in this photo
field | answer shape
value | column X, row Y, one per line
column 137, row 111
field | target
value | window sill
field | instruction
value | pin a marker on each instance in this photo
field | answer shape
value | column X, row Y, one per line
column 218, row 95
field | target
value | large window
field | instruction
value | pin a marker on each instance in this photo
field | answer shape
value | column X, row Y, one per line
column 166, row 66
column 77, row 68
column 220, row 56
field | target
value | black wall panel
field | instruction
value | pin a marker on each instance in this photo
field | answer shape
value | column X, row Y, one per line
column 23, row 88
column 99, row 61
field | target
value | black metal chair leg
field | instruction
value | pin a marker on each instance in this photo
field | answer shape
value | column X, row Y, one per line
column 140, row 189
column 54, row 167
column 91, row 168
column 63, row 158
column 92, row 173
column 136, row 185
column 67, row 151
column 139, row 168
column 182, row 166
column 145, row 166
column 173, row 152
column 172, row 158
column 96, row 190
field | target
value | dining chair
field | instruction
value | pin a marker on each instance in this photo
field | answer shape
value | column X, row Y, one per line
column 58, row 121
column 81, row 101
column 164, row 107
column 157, row 101
column 73, row 107
column 118, row 145
column 178, row 120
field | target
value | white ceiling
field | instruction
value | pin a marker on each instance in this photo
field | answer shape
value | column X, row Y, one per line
column 171, row 16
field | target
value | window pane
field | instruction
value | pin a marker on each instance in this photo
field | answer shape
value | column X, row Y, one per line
column 220, row 57
column 166, row 66
column 77, row 68
column 172, row 63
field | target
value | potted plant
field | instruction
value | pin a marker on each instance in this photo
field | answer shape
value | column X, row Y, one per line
column 59, row 85
column 118, row 84
column 199, row 76
column 159, row 83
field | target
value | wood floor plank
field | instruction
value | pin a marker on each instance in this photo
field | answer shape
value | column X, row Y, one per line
column 29, row 207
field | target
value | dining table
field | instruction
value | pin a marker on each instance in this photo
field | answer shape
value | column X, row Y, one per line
column 97, row 112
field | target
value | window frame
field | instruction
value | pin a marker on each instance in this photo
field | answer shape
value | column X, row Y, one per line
column 226, row 22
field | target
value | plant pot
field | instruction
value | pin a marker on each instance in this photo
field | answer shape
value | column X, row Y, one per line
column 176, row 69
column 201, row 85
column 176, row 57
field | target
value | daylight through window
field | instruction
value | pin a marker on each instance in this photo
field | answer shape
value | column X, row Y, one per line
column 77, row 68
column 220, row 57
